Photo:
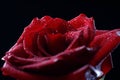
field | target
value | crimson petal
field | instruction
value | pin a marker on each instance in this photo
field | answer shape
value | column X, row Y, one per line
column 56, row 43
column 82, row 21
column 20, row 75
column 35, row 26
column 106, row 43
column 58, row 62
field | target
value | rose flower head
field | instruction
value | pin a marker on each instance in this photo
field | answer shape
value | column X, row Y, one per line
column 56, row 49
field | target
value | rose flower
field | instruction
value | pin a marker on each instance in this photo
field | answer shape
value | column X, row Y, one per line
column 56, row 49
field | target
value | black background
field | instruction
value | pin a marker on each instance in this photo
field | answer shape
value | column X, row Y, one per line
column 15, row 15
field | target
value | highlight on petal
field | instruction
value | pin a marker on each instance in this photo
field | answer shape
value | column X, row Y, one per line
column 118, row 33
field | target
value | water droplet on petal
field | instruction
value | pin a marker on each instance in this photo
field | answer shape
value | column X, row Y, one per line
column 55, row 60
column 98, row 72
column 89, row 49
column 118, row 33
column 3, row 58
column 93, row 73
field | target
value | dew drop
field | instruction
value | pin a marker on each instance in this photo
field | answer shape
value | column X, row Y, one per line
column 3, row 58
column 118, row 33
column 55, row 60
column 89, row 49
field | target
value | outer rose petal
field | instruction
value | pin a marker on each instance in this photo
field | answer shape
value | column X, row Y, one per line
column 64, row 59
column 58, row 25
column 35, row 26
column 79, row 74
column 104, row 44
column 82, row 22
column 99, row 32
column 107, row 64
column 20, row 75
column 18, row 50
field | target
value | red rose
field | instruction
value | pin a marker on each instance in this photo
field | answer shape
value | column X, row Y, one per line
column 55, row 49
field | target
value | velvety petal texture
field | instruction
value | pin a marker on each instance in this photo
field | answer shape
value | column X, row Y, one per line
column 56, row 49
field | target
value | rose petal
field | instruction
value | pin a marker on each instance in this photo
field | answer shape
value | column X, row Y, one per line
column 78, row 74
column 78, row 21
column 82, row 21
column 99, row 32
column 20, row 75
column 35, row 26
column 88, row 35
column 58, row 25
column 68, row 58
column 16, row 50
column 19, row 61
column 30, row 44
column 42, row 45
column 80, row 37
column 106, row 43
column 74, row 39
column 56, row 43
column 107, row 64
